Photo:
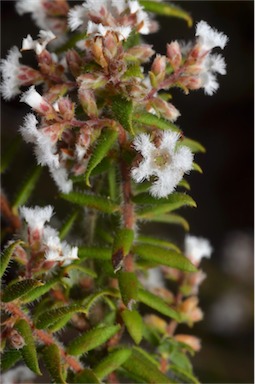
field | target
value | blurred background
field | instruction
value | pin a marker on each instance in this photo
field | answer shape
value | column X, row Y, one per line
column 223, row 123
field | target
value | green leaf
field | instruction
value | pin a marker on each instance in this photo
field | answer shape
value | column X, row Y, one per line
column 95, row 253
column 165, row 9
column 67, row 226
column 7, row 255
column 9, row 358
column 105, row 142
column 194, row 146
column 19, row 289
column 163, row 256
column 155, row 206
column 52, row 359
column 111, row 362
column 81, row 268
column 9, row 155
column 71, row 42
column 50, row 317
column 139, row 365
column 181, row 361
column 86, row 376
column 184, row 184
column 183, row 375
column 112, row 182
column 146, row 118
column 128, row 285
column 170, row 219
column 153, row 241
column 158, row 304
column 28, row 351
column 132, row 40
column 122, row 110
column 134, row 324
column 121, row 247
column 93, row 298
column 134, row 70
column 197, row 168
column 27, row 188
column 37, row 292
column 59, row 324
column 100, row 203
column 91, row 339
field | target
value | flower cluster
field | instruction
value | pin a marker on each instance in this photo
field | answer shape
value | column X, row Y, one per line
column 44, row 241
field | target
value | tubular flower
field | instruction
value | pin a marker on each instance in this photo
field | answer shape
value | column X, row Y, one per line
column 196, row 248
column 167, row 162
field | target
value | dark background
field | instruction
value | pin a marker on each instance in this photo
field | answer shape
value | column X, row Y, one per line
column 223, row 123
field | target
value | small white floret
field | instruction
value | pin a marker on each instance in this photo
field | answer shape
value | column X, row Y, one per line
column 60, row 177
column 216, row 63
column 77, row 16
column 32, row 98
column 29, row 129
column 10, row 68
column 209, row 37
column 38, row 45
column 36, row 217
column 196, row 248
column 209, row 83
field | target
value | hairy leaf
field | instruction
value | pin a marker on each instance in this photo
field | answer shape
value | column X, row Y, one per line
column 146, row 372
column 85, row 200
column 105, row 142
column 170, row 218
column 121, row 246
column 122, row 110
column 91, row 339
column 153, row 241
column 27, row 188
column 164, row 256
column 128, row 285
column 158, row 304
column 9, row 358
column 197, row 168
column 111, row 362
column 37, row 292
column 81, row 268
column 50, row 317
column 134, row 324
column 146, row 118
column 19, row 289
column 184, row 184
column 194, row 146
column 93, row 298
column 52, row 359
column 7, row 254
column 86, row 376
column 165, row 9
column 28, row 351
column 95, row 253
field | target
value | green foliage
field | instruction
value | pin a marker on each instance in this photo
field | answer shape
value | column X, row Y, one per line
column 122, row 110
column 28, row 351
column 134, row 324
column 145, row 118
column 17, row 290
column 53, row 315
column 52, row 360
column 37, row 292
column 7, row 255
column 9, row 358
column 121, row 246
column 86, row 376
column 165, row 9
column 91, row 339
column 105, row 142
column 158, row 304
column 100, row 203
column 95, row 253
column 111, row 362
column 128, row 285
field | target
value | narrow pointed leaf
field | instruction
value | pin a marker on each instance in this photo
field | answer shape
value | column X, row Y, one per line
column 111, row 362
column 6, row 256
column 146, row 118
column 81, row 268
column 128, row 285
column 164, row 256
column 87, row 376
column 121, row 246
column 134, row 324
column 100, row 203
column 170, row 219
column 37, row 292
column 122, row 110
column 158, row 304
column 19, row 289
column 154, row 241
column 194, row 146
column 52, row 360
column 146, row 372
column 90, row 301
column 67, row 226
column 59, row 324
column 27, row 188
column 105, row 142
column 112, row 182
column 9, row 358
column 50, row 317
column 28, row 351
column 184, row 184
column 165, row 9
column 95, row 253
column 183, row 375
column 91, row 339
column 197, row 168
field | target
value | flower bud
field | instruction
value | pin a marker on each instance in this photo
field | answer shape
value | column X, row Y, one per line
column 167, row 110
column 66, row 108
column 28, row 76
column 74, row 62
column 174, row 54
column 156, row 322
column 38, row 103
column 92, row 80
column 141, row 52
column 192, row 313
column 96, row 47
column 88, row 102
column 191, row 341
column 158, row 68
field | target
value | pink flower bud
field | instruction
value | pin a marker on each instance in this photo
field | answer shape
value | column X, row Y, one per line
column 88, row 102
column 167, row 110
column 191, row 311
column 74, row 62
column 38, row 103
column 191, row 341
column 92, row 80
column 158, row 67
column 174, row 54
column 141, row 52
column 28, row 76
column 66, row 108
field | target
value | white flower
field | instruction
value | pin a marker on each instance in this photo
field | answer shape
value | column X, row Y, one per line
column 196, row 248
column 18, row 374
column 36, row 217
column 76, row 17
column 209, row 37
column 40, row 44
column 60, row 176
column 101, row 30
column 215, row 63
column 10, row 69
column 211, row 65
column 209, row 82
column 37, row 10
column 153, row 279
column 166, row 162
column 57, row 250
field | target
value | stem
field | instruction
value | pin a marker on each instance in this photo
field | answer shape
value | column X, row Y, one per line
column 45, row 337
